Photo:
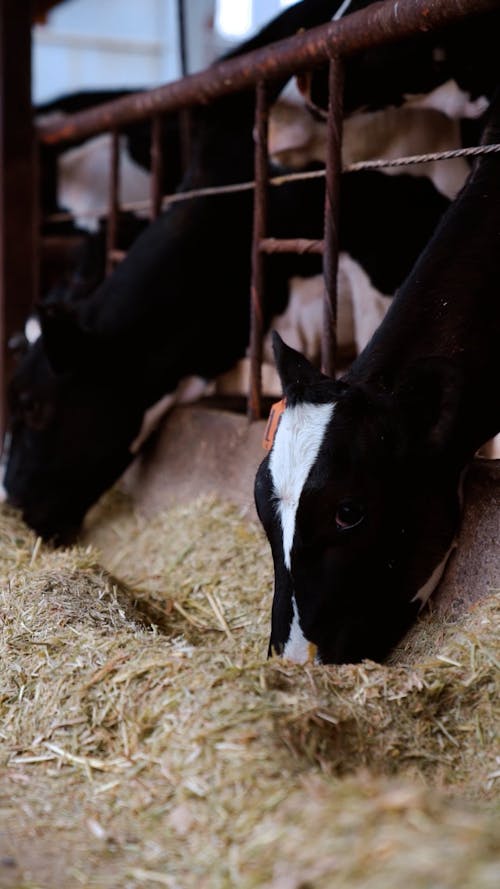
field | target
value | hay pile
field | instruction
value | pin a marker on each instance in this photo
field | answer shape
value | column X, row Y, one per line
column 146, row 741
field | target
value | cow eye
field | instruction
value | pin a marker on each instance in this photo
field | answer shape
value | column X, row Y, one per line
column 349, row 514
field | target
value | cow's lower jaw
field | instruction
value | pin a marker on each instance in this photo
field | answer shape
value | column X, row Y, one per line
column 60, row 530
column 297, row 648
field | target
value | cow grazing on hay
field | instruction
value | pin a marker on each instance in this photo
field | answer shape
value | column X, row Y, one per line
column 79, row 395
column 360, row 495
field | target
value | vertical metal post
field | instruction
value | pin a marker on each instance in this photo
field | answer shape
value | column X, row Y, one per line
column 332, row 197
column 181, row 24
column 259, row 231
column 185, row 136
column 18, row 193
column 156, row 165
column 113, row 206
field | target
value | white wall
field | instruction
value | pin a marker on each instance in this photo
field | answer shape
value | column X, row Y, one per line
column 96, row 44
column 105, row 43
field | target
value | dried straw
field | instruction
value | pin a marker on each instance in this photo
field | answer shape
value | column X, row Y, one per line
column 146, row 741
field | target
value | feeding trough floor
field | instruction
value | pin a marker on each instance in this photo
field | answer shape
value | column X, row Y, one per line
column 146, row 740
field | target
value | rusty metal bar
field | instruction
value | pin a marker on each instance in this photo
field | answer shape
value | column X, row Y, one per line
column 114, row 187
column 332, row 197
column 259, row 230
column 18, row 184
column 291, row 245
column 156, row 166
column 185, row 137
column 379, row 24
column 56, row 244
column 181, row 25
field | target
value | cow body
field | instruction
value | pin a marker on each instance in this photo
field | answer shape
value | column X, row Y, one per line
column 162, row 317
column 78, row 399
column 77, row 178
column 465, row 52
column 361, row 494
column 296, row 138
column 83, row 181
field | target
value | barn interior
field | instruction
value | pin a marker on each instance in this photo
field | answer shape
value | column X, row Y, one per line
column 146, row 739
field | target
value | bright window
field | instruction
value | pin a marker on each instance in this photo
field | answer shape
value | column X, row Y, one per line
column 234, row 17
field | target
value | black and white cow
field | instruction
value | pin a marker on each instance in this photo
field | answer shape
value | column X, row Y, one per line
column 360, row 495
column 464, row 52
column 441, row 120
column 76, row 177
column 175, row 307
column 79, row 395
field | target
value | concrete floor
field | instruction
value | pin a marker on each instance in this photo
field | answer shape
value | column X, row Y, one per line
column 200, row 451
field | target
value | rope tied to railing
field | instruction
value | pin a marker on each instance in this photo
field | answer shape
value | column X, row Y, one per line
column 209, row 191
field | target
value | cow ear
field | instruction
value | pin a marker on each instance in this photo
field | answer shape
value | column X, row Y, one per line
column 293, row 368
column 428, row 398
column 64, row 340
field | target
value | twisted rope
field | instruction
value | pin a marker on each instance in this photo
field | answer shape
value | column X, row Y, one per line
column 381, row 163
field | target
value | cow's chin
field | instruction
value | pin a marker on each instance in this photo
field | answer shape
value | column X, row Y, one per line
column 339, row 634
column 57, row 530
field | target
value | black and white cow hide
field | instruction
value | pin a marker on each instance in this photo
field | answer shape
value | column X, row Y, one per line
column 360, row 495
column 79, row 396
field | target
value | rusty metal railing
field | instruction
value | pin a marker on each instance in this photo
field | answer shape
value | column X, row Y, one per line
column 379, row 24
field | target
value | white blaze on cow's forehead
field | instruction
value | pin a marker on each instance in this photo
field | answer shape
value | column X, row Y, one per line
column 296, row 446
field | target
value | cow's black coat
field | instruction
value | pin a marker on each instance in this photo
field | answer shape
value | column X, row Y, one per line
column 465, row 52
column 380, row 508
column 177, row 305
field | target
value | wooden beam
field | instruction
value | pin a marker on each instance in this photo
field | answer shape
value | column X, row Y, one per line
column 18, row 238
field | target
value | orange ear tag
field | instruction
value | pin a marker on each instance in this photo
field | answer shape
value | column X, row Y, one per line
column 273, row 423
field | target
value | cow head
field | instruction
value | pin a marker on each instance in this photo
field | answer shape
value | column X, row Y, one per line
column 360, row 505
column 72, row 419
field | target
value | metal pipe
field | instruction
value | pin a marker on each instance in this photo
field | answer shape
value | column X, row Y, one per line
column 181, row 24
column 18, row 185
column 114, row 186
column 156, row 166
column 291, row 245
column 332, row 199
column 379, row 24
column 185, row 137
column 259, row 230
